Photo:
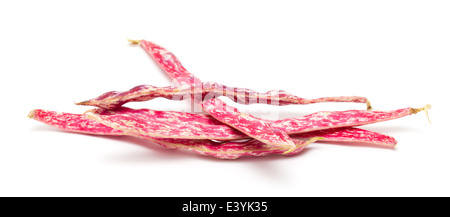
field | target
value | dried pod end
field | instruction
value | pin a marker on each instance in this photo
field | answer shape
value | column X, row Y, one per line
column 83, row 103
column 417, row 110
column 369, row 106
column 31, row 114
column 425, row 108
column 134, row 41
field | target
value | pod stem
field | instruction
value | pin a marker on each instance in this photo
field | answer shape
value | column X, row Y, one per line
column 31, row 114
column 369, row 106
column 82, row 103
column 425, row 108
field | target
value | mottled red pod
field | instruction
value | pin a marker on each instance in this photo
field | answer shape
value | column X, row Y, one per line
column 166, row 124
column 205, row 91
column 174, row 69
column 72, row 122
column 228, row 150
column 177, row 130
column 169, row 63
column 344, row 134
column 350, row 134
column 329, row 120
column 264, row 130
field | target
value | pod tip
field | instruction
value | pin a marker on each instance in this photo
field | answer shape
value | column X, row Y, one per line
column 369, row 105
column 134, row 41
column 425, row 108
column 32, row 113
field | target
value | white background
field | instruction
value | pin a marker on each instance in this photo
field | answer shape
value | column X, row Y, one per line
column 396, row 53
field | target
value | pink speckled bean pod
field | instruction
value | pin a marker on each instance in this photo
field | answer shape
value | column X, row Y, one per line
column 73, row 122
column 168, row 62
column 345, row 134
column 272, row 131
column 181, row 76
column 204, row 91
column 253, row 126
column 328, row 120
column 165, row 124
column 230, row 150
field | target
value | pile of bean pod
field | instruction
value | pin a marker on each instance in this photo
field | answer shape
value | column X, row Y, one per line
column 222, row 131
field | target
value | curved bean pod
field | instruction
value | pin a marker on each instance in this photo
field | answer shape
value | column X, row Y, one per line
column 208, row 90
column 230, row 150
column 166, row 124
